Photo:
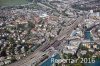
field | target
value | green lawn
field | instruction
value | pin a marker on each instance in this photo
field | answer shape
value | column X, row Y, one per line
column 12, row 2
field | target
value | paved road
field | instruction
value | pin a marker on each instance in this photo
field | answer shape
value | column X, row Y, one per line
column 67, row 30
column 65, row 33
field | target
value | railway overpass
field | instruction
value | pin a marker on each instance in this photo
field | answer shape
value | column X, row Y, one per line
column 27, row 61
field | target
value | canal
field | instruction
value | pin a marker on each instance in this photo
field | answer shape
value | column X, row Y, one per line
column 48, row 61
column 97, row 63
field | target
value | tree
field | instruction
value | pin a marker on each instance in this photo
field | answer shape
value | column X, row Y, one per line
column 31, row 25
column 3, row 53
column 12, row 42
column 69, row 55
column 13, row 59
